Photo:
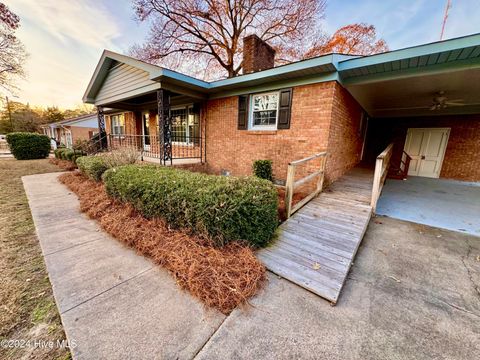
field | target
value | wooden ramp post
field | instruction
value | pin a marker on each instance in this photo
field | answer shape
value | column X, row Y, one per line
column 382, row 165
column 291, row 185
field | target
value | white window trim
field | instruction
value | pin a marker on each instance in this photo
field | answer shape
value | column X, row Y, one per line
column 250, row 113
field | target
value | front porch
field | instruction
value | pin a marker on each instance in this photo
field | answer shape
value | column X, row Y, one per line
column 167, row 132
column 139, row 106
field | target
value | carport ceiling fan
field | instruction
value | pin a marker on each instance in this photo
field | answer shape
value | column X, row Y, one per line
column 439, row 102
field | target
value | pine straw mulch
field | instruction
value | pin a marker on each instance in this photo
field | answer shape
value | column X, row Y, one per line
column 63, row 164
column 222, row 278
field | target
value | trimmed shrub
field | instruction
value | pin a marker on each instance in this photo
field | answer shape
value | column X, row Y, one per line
column 92, row 166
column 224, row 208
column 263, row 169
column 77, row 156
column 24, row 145
column 72, row 155
column 58, row 152
column 67, row 154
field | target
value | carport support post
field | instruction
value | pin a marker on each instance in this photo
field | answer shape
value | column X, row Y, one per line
column 164, row 126
column 101, row 127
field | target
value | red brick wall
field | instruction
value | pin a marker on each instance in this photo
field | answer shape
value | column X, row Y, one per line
column 345, row 138
column 324, row 117
column 235, row 150
column 462, row 156
column 81, row 133
column 130, row 124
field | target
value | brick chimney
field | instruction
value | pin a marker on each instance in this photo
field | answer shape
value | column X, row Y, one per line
column 257, row 55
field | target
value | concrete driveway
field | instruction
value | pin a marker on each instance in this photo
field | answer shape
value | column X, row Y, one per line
column 413, row 293
column 443, row 203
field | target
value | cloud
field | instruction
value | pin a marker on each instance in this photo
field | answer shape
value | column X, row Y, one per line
column 64, row 40
column 87, row 23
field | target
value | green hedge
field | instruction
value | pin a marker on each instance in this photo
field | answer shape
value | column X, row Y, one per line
column 263, row 169
column 92, row 166
column 24, row 145
column 60, row 152
column 68, row 154
column 225, row 208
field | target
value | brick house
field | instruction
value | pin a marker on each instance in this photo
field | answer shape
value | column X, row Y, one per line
column 424, row 99
column 67, row 132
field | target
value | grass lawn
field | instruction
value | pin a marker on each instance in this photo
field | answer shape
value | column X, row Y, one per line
column 27, row 306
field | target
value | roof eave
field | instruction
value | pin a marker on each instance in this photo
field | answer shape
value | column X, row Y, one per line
column 401, row 54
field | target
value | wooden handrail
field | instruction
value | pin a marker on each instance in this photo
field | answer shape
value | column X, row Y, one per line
column 308, row 158
column 381, row 170
column 291, row 184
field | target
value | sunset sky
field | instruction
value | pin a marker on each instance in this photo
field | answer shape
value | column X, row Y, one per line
column 65, row 38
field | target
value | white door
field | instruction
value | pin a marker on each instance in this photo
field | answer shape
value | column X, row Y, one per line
column 427, row 149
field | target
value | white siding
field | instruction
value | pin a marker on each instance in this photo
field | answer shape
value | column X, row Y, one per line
column 121, row 80
column 86, row 123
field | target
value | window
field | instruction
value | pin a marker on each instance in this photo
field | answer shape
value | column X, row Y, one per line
column 264, row 111
column 118, row 124
column 179, row 124
column 185, row 125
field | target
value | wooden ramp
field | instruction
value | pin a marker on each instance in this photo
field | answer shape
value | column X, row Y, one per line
column 316, row 246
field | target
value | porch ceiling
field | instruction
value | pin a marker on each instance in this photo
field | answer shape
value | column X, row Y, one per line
column 413, row 96
column 147, row 102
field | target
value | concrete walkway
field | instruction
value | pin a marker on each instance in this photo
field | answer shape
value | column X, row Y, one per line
column 114, row 303
column 413, row 292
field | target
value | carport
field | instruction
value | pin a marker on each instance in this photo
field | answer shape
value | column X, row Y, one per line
column 443, row 203
column 426, row 101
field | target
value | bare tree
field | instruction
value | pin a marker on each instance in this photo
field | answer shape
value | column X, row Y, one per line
column 357, row 39
column 211, row 31
column 12, row 52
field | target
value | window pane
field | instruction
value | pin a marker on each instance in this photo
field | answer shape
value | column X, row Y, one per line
column 264, row 110
column 113, row 120
column 118, row 124
column 179, row 124
column 265, row 117
column 265, row 102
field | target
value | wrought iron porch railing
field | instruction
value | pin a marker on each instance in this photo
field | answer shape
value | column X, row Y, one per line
column 183, row 147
